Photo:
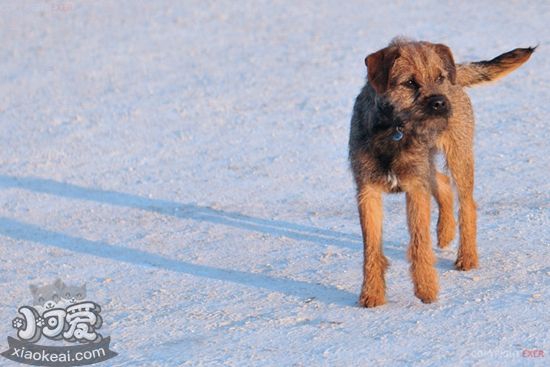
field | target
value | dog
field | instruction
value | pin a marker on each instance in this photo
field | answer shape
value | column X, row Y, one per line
column 412, row 106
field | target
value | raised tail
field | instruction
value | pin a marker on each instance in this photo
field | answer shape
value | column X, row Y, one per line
column 487, row 71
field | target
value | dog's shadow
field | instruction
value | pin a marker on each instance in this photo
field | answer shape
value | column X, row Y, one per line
column 23, row 231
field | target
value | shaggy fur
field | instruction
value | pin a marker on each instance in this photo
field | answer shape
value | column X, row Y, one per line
column 412, row 106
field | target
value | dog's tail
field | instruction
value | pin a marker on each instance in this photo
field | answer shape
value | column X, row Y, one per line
column 478, row 72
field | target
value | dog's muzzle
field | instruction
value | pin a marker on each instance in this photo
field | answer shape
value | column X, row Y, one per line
column 438, row 105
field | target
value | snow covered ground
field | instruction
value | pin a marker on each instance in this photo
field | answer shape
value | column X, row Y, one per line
column 188, row 160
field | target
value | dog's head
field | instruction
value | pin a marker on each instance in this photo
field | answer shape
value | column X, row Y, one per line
column 414, row 77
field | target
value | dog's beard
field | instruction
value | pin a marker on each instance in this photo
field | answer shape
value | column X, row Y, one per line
column 417, row 117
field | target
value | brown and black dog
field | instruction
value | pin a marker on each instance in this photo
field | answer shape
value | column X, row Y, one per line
column 412, row 106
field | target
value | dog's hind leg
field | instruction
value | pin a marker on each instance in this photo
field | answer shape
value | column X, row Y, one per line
column 443, row 194
column 369, row 200
column 461, row 164
column 420, row 252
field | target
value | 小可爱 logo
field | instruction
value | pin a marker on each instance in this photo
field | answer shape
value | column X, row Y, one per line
column 59, row 312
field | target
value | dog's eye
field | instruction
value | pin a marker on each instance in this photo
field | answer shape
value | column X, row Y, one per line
column 411, row 83
column 440, row 79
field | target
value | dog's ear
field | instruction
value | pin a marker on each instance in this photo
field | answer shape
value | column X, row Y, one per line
column 379, row 65
column 446, row 56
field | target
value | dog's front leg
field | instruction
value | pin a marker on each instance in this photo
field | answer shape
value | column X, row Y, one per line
column 369, row 200
column 461, row 164
column 420, row 252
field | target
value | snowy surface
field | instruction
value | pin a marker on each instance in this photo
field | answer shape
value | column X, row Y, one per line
column 188, row 160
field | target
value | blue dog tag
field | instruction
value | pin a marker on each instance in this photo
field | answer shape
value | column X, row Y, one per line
column 398, row 135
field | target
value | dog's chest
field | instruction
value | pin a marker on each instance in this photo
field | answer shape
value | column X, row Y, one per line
column 387, row 172
column 392, row 181
column 385, row 163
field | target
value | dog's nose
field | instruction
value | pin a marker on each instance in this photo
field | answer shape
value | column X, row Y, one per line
column 437, row 103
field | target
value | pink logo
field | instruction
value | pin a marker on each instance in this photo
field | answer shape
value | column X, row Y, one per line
column 532, row 353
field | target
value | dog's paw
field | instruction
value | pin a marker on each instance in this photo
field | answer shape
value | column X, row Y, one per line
column 465, row 263
column 427, row 290
column 443, row 243
column 445, row 234
column 430, row 299
column 370, row 300
column 446, row 231
column 426, row 296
